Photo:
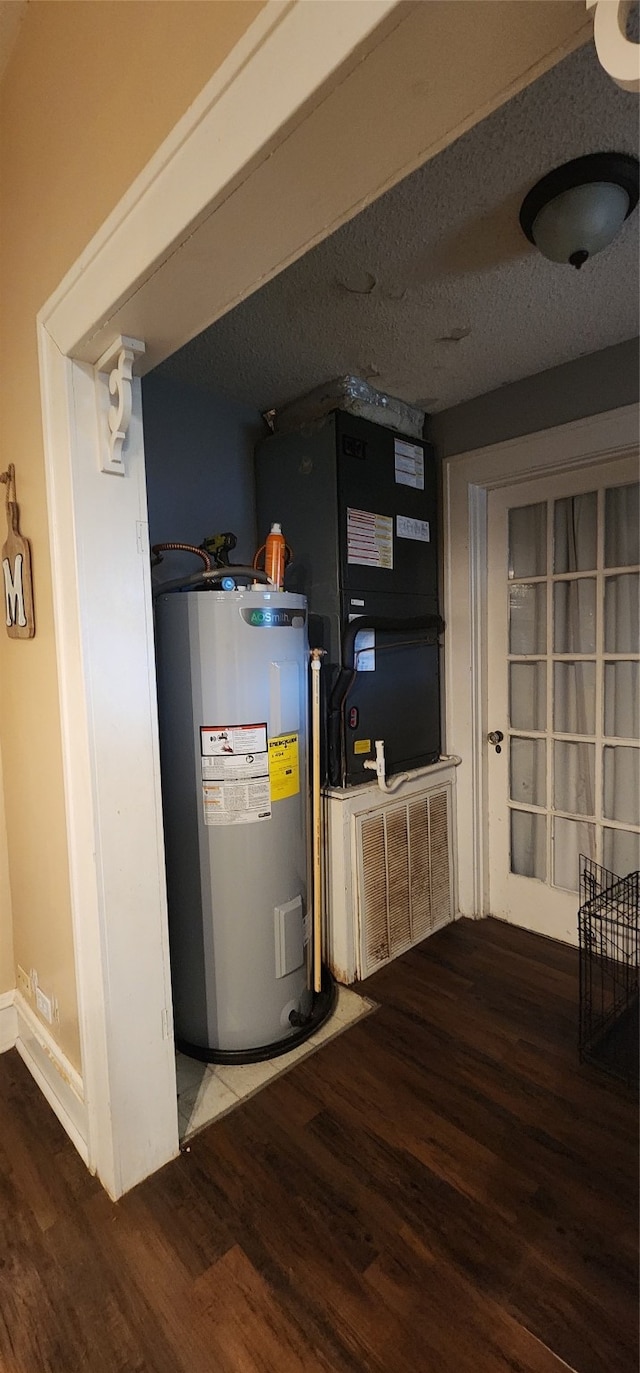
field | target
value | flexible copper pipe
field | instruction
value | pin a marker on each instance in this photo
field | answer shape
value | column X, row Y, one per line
column 159, row 548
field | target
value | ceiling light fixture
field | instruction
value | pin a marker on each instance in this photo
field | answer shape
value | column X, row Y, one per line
column 577, row 210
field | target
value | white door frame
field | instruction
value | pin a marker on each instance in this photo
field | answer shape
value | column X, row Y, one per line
column 187, row 241
column 467, row 479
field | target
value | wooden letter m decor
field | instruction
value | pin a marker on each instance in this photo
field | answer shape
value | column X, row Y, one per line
column 16, row 569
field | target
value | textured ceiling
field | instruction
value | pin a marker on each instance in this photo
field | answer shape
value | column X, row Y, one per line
column 433, row 293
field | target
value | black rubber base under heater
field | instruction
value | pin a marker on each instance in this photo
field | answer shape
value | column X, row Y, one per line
column 323, row 1004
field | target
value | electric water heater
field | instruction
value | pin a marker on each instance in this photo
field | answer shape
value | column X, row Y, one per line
column 232, row 693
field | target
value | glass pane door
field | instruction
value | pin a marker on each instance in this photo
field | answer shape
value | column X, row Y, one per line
column 570, row 706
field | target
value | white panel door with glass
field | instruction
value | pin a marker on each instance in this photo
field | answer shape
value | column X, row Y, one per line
column 563, row 669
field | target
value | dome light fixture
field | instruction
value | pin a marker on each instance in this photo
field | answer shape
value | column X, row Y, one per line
column 576, row 210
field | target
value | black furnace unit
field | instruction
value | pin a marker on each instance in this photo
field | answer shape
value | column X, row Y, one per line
column 358, row 505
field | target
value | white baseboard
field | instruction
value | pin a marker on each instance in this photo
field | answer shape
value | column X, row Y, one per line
column 56, row 1077
column 8, row 1021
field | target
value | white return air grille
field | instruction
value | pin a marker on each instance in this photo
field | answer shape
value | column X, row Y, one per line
column 404, row 871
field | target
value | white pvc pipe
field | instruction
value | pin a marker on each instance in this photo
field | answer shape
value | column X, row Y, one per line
column 378, row 765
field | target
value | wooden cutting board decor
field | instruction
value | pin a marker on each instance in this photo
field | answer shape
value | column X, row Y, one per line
column 16, row 569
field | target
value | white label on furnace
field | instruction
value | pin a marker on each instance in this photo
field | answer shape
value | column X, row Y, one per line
column 364, row 648
column 409, row 464
column 407, row 528
column 369, row 539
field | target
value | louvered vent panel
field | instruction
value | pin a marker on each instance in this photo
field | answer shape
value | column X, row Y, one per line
column 405, row 878
column 398, row 879
column 374, row 884
column 439, row 859
column 420, row 884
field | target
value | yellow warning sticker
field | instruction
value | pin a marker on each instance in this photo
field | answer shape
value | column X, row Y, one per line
column 362, row 746
column 284, row 767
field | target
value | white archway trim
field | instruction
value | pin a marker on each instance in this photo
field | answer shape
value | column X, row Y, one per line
column 103, row 619
column 274, row 113
column 468, row 477
column 291, row 113
column 290, row 52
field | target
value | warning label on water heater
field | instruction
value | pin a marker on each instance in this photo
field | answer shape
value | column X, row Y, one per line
column 235, row 774
column 225, row 740
column 284, row 767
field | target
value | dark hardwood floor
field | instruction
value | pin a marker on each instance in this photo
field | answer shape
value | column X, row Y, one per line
column 441, row 1189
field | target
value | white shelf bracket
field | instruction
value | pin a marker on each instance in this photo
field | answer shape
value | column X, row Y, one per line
column 113, row 373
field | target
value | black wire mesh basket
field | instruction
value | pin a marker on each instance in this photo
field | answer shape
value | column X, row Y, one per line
column 609, row 949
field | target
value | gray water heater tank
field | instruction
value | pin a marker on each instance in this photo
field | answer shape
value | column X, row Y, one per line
column 232, row 693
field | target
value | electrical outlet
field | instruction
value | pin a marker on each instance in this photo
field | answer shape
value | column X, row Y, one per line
column 43, row 1005
column 24, row 982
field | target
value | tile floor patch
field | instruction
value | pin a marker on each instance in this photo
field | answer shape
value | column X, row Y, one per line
column 189, row 1073
column 210, row 1099
column 207, row 1091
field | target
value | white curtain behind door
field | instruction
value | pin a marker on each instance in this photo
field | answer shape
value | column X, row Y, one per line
column 592, row 558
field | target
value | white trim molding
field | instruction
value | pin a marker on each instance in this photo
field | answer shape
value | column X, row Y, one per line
column 102, row 602
column 468, row 477
column 477, row 687
column 8, row 1021
column 283, row 60
column 56, row 1077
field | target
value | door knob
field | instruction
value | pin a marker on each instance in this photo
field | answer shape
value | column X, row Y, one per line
column 495, row 737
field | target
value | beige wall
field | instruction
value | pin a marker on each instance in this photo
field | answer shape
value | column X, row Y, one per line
column 6, row 928
column 90, row 91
